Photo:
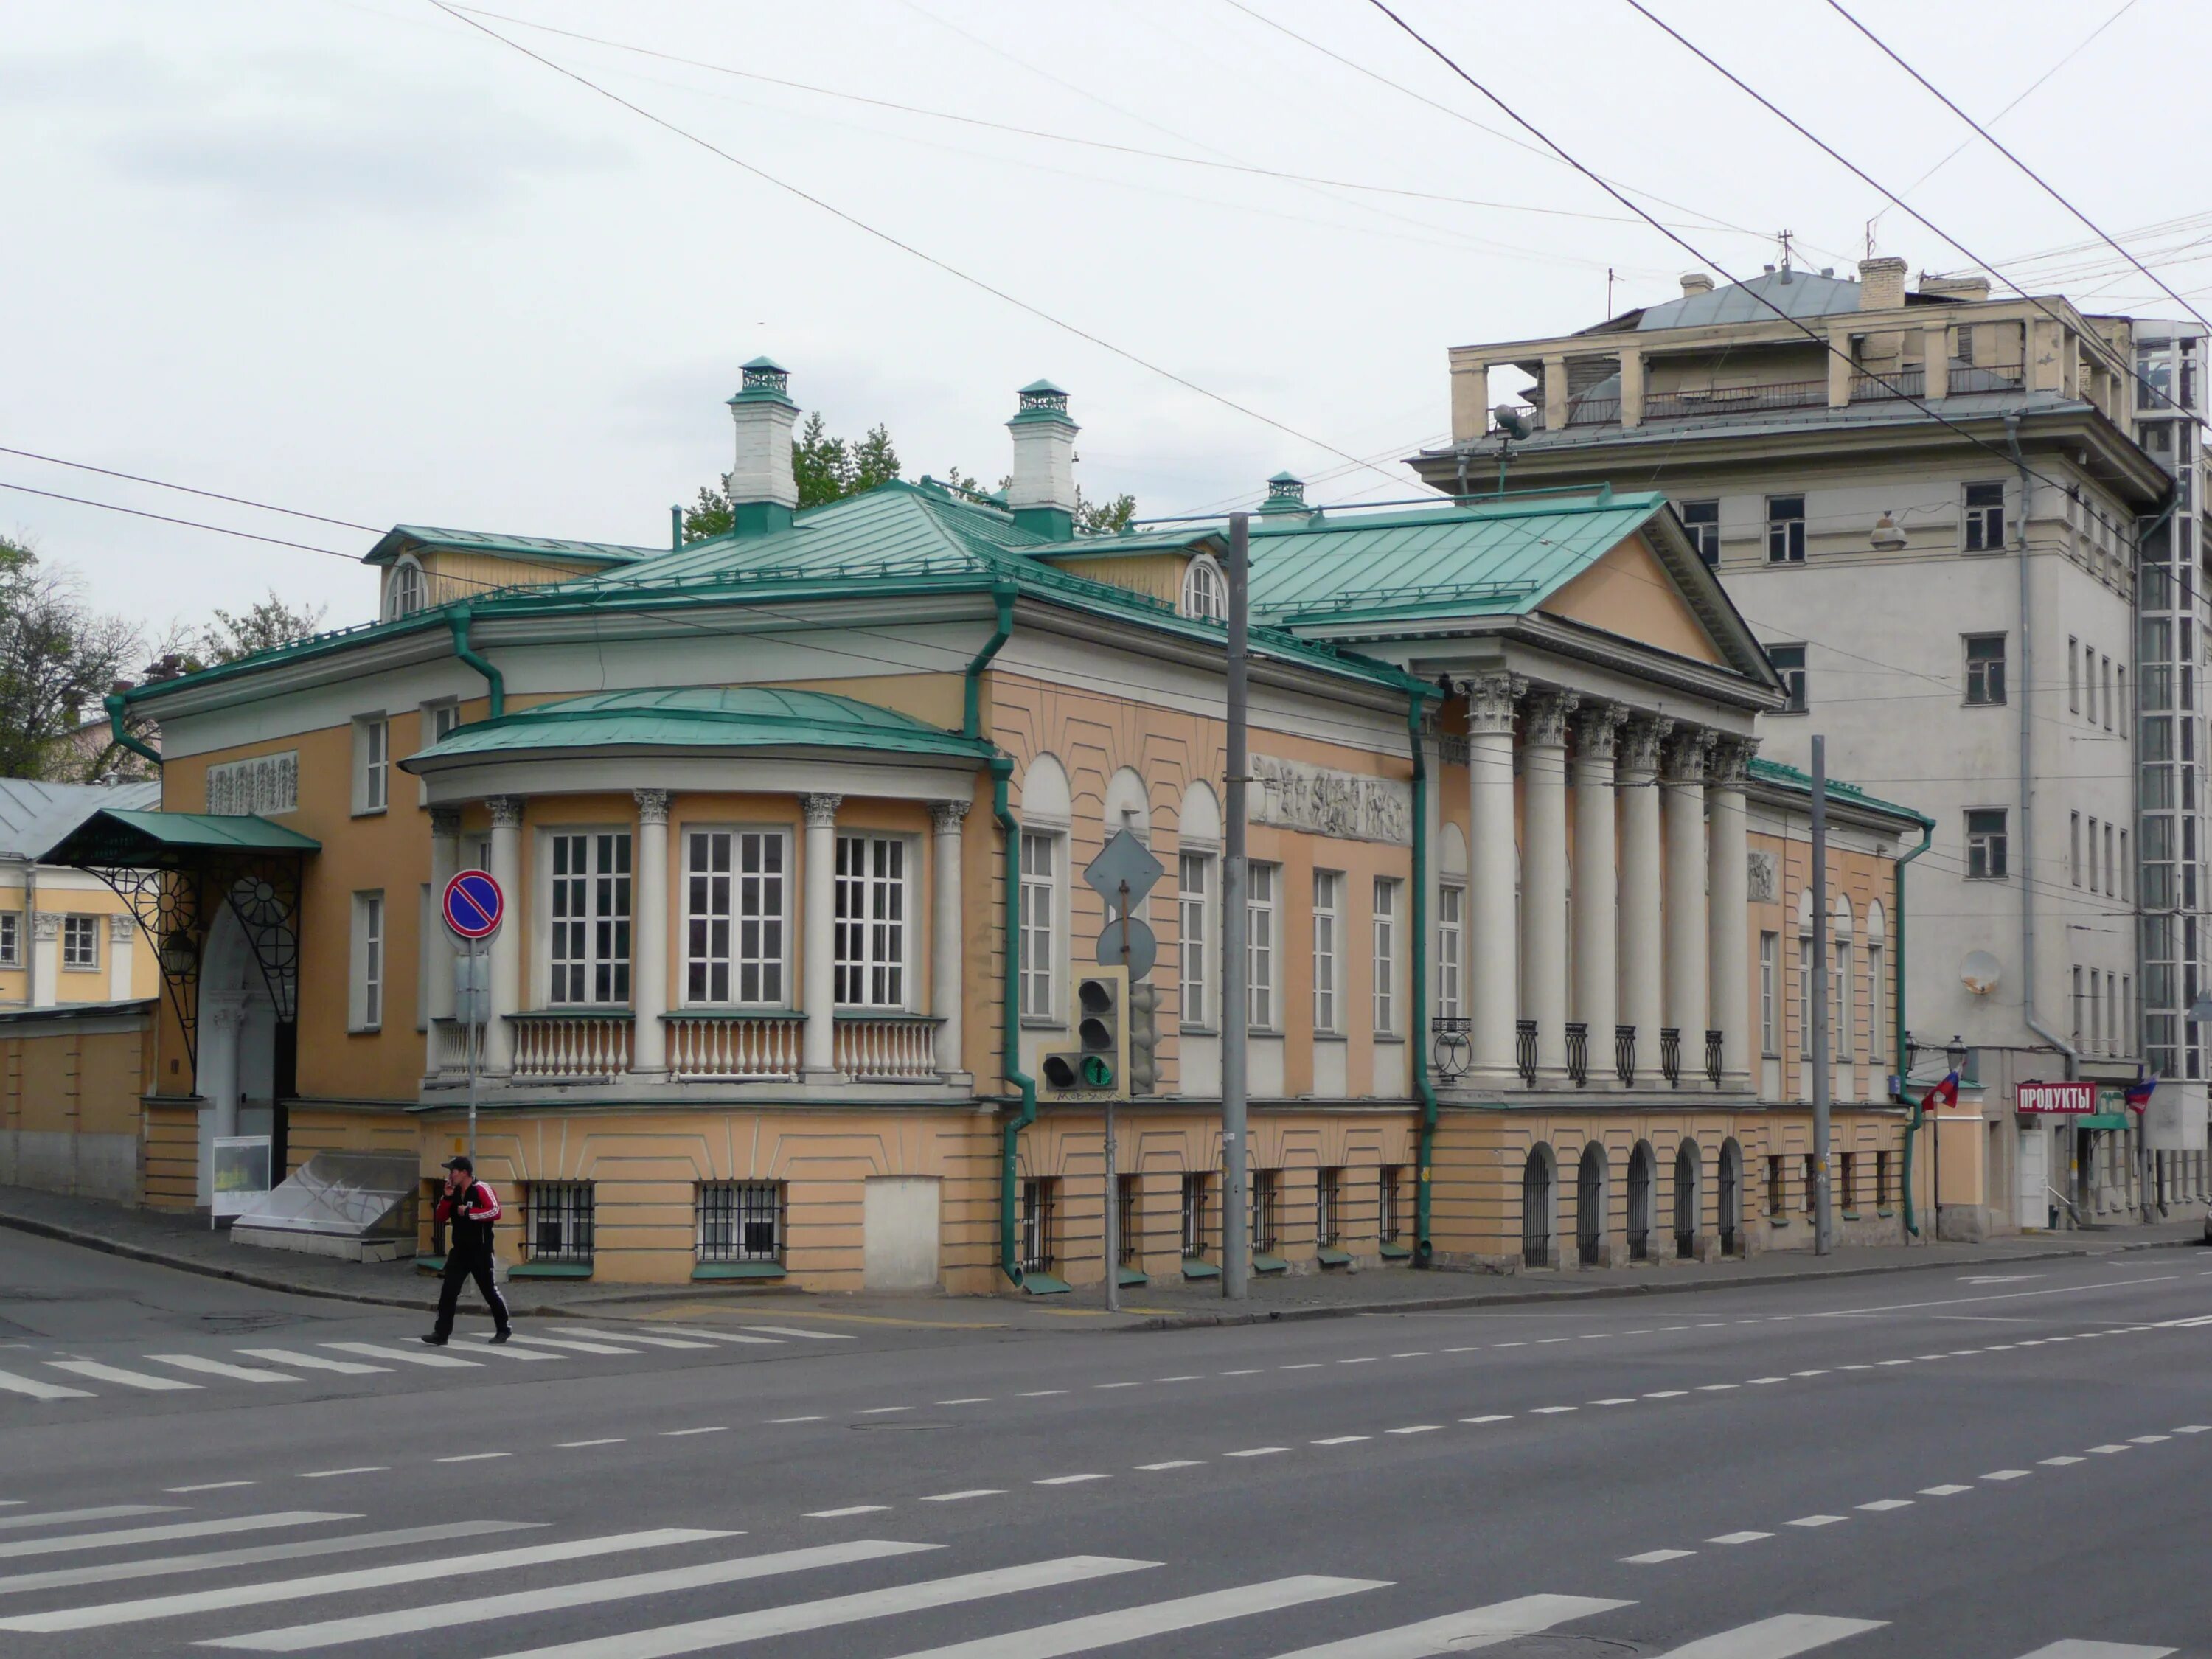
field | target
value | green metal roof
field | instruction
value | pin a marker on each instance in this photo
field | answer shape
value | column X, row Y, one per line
column 423, row 539
column 1789, row 778
column 134, row 840
column 703, row 717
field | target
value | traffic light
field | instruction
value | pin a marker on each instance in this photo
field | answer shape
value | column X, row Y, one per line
column 1099, row 1067
column 1144, row 1040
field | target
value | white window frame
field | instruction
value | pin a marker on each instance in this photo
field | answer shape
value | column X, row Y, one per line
column 1040, row 927
column 609, row 940
column 11, row 939
column 1842, row 998
column 1805, row 996
column 403, row 597
column 371, row 948
column 1387, row 890
column 1328, row 954
column 372, row 764
column 882, row 968
column 1205, row 590
column 1982, row 524
column 1195, row 920
column 440, row 718
column 759, row 900
column 1770, row 995
column 81, row 944
column 1451, row 945
column 1877, row 1001
column 1263, row 887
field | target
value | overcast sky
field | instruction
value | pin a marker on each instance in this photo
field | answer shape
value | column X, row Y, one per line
column 357, row 257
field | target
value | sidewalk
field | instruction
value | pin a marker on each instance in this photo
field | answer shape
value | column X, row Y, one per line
column 187, row 1243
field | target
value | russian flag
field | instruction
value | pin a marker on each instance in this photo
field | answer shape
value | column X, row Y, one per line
column 2139, row 1092
column 1945, row 1093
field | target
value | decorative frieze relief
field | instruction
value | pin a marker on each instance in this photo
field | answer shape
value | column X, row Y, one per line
column 1298, row 795
column 1762, row 881
column 261, row 787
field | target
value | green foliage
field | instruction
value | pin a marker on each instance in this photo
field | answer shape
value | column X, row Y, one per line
column 263, row 626
column 59, row 658
column 1108, row 518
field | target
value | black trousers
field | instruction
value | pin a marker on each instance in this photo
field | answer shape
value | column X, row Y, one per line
column 459, row 1269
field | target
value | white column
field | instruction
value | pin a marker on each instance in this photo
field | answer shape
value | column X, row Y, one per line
column 1598, row 883
column 1544, row 873
column 945, row 915
column 507, row 943
column 648, row 975
column 220, row 1021
column 1643, row 977
column 122, row 936
column 1494, row 957
column 1728, row 894
column 445, row 864
column 1682, row 805
column 818, row 941
column 46, row 957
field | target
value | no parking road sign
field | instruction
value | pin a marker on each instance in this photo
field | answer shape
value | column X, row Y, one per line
column 473, row 905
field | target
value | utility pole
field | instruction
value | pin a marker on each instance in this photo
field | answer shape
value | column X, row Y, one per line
column 1823, row 1218
column 1236, row 966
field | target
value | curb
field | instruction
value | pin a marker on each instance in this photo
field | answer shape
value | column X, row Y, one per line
column 1619, row 1292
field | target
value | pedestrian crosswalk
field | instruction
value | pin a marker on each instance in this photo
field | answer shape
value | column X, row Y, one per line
column 655, row 1592
column 80, row 1377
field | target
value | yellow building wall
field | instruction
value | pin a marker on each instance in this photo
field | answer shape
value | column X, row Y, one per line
column 1629, row 592
column 452, row 576
column 1158, row 575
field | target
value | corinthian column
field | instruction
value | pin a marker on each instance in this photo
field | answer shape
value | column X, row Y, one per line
column 1729, row 889
column 1494, row 959
column 1598, row 883
column 1643, row 977
column 818, row 941
column 1544, row 717
column 649, row 942
column 1682, row 804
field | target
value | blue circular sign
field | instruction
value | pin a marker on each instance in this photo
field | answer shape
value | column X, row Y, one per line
column 473, row 904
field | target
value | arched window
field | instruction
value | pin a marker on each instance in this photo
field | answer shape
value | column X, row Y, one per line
column 406, row 590
column 1045, row 808
column 1878, row 999
column 1205, row 590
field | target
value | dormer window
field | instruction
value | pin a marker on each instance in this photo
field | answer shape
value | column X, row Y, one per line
column 1205, row 590
column 406, row 591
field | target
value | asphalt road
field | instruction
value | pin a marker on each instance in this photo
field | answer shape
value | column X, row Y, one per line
column 1979, row 1465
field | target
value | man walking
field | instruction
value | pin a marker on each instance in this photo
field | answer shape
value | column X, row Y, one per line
column 468, row 1209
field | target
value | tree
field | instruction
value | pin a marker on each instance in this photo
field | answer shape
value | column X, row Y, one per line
column 59, row 658
column 1108, row 518
column 264, row 626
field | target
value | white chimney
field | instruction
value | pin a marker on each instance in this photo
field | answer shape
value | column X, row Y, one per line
column 763, row 490
column 1042, row 493
column 1882, row 284
column 1695, row 281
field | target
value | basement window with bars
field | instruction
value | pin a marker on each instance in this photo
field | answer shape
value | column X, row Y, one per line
column 1328, row 1221
column 1267, row 1188
column 1777, row 1188
column 741, row 1221
column 559, row 1228
column 1039, row 1196
column 1390, row 1185
column 1197, row 1214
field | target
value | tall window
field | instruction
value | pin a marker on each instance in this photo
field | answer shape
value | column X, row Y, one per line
column 1770, row 993
column 590, row 954
column 1777, row 1185
column 1985, row 670
column 2105, row 674
column 2074, row 848
column 1877, row 1004
column 1266, row 1196
column 1205, row 594
column 1197, row 1214
column 11, row 939
column 1804, row 996
column 870, row 922
column 2093, row 855
column 1040, row 903
column 1451, row 927
column 1259, row 952
column 2111, row 868
column 1328, row 1219
column 2076, row 1032
column 1703, row 520
column 741, row 1221
column 559, row 1227
column 1038, row 1204
column 1193, row 881
column 1840, row 1010
column 368, row 997
column 1985, row 843
column 1985, row 525
column 2073, row 674
column 372, row 764
column 1386, row 956
column 1328, row 895
column 1785, row 530
column 1390, row 1204
column 80, row 943
column 1789, row 662
column 2125, row 882
column 405, row 592
column 735, row 883
column 2096, row 1013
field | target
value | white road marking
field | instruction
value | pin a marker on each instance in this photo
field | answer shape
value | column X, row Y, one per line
column 206, row 1560
column 1415, row 1354
column 1175, row 1463
column 95, row 1540
column 723, row 1336
column 1619, row 1400
column 334, row 1583
column 2098, row 1650
column 1813, row 1373
column 1303, row 1365
column 882, row 1411
column 1882, row 1504
column 1465, row 1633
column 572, row 1445
column 2195, row 1428
column 1494, row 1417
column 711, row 1428
column 849, row 1509
column 1039, row 1393
column 807, row 1336
column 1068, row 1480
column 774, row 1419
column 1364, row 1360
column 1777, row 1638
column 732, row 1628
column 2108, row 1451
column 1257, row 1451
column 592, row 1592
column 1949, row 1489
column 2008, row 1296
column 1739, row 1538
column 634, row 1336
column 38, row 1390
column 1138, row 1384
column 2061, row 1462
column 2008, row 1475
column 425, row 1355
column 1339, row 1440
column 315, row 1362
column 1714, row 1387
column 573, row 1344
column 1551, row 1410
column 100, row 1373
column 1817, row 1521
column 328, row 1475
column 211, row 1486
column 1759, row 1381
column 471, row 1457
column 971, row 1399
column 1666, row 1394
column 1250, row 1371
column 104, row 1512
column 1416, row 1428
column 1100, row 1630
column 1653, row 1558
column 2148, row 1439
column 963, row 1497
column 192, row 1362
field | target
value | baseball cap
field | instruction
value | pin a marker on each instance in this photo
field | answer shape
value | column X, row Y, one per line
column 461, row 1164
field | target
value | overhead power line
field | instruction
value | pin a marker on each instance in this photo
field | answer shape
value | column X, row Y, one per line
column 188, row 490
column 193, row 524
column 2048, row 188
column 906, row 247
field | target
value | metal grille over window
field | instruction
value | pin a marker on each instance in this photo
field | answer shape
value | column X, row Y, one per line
column 560, row 1230
column 1266, row 1186
column 1037, row 1206
column 1129, row 1220
column 1328, row 1219
column 1197, row 1214
column 590, row 953
column 870, row 922
column 741, row 1221
column 735, row 883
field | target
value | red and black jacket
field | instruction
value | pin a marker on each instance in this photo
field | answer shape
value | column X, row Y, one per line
column 470, row 1212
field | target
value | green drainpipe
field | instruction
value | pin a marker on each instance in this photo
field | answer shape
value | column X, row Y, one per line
column 971, row 701
column 1010, row 1056
column 1424, row 1251
column 1896, row 1047
column 460, row 616
column 122, row 733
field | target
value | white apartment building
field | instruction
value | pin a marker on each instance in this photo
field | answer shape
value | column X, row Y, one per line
column 1932, row 528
